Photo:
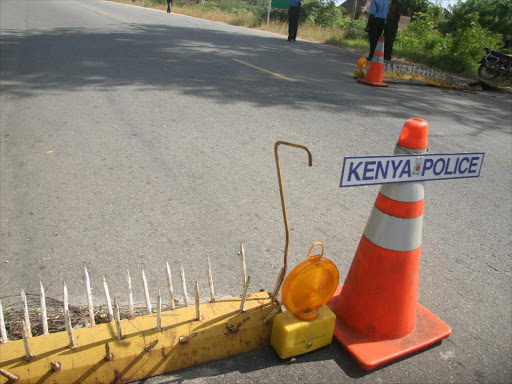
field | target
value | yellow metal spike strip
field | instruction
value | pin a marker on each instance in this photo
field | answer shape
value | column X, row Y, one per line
column 44, row 318
column 169, row 284
column 25, row 314
column 427, row 76
column 89, row 297
column 143, row 352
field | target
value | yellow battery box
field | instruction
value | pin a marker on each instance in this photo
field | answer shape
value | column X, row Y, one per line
column 292, row 336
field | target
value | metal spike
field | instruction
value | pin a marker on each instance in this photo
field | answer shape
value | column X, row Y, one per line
column 55, row 366
column 66, row 304
column 159, row 312
column 107, row 297
column 271, row 315
column 130, row 295
column 25, row 313
column 9, row 376
column 3, row 331
column 198, row 309
column 89, row 297
column 210, row 281
column 119, row 335
column 244, row 271
column 146, row 293
column 244, row 294
column 24, row 334
column 109, row 356
column 169, row 283
column 67, row 319
column 184, row 286
column 42, row 301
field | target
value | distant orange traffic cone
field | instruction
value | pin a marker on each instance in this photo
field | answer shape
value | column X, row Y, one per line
column 375, row 73
column 378, row 316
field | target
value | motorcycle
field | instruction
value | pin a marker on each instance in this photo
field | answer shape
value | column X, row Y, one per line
column 494, row 65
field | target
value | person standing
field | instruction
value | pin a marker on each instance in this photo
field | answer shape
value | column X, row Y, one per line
column 293, row 18
column 169, row 5
column 376, row 20
column 391, row 27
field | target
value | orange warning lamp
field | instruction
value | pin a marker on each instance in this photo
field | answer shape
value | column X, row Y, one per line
column 310, row 285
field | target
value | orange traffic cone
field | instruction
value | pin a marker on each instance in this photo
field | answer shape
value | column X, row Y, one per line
column 375, row 73
column 378, row 316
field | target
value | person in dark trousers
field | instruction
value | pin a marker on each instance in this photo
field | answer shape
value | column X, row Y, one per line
column 391, row 27
column 376, row 20
column 169, row 5
column 293, row 18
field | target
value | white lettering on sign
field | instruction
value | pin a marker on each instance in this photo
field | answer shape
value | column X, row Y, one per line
column 408, row 168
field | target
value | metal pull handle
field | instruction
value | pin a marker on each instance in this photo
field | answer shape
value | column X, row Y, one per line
column 283, row 204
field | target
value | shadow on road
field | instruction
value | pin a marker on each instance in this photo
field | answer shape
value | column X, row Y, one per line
column 200, row 63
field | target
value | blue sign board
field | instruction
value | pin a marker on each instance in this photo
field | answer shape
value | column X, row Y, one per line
column 372, row 170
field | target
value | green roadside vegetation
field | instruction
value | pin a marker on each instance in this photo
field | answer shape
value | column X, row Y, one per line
column 451, row 40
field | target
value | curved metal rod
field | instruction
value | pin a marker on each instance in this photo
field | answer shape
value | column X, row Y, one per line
column 283, row 204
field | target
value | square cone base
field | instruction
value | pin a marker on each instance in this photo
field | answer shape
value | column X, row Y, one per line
column 370, row 354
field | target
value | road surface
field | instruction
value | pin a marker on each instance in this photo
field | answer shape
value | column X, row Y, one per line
column 131, row 137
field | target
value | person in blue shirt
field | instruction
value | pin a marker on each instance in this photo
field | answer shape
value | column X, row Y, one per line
column 376, row 20
column 293, row 18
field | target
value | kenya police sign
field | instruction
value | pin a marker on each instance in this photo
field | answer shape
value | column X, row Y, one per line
column 408, row 168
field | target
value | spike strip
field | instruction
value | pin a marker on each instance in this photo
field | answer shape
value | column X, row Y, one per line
column 210, row 281
column 9, row 376
column 198, row 307
column 159, row 312
column 146, row 294
column 69, row 328
column 25, row 313
column 144, row 352
column 171, row 290
column 130, row 295
column 24, row 334
column 107, row 298
column 3, row 331
column 89, row 297
column 44, row 317
column 244, row 294
column 119, row 335
column 184, row 286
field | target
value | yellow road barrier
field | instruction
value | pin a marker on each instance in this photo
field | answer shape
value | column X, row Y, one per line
column 99, row 356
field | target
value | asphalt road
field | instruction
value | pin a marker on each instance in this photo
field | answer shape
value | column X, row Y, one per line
column 130, row 137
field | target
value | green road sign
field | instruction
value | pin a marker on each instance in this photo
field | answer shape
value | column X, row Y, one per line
column 283, row 4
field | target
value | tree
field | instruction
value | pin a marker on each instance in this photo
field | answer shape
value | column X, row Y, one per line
column 493, row 15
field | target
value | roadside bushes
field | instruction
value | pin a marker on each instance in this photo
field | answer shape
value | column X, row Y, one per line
column 456, row 52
